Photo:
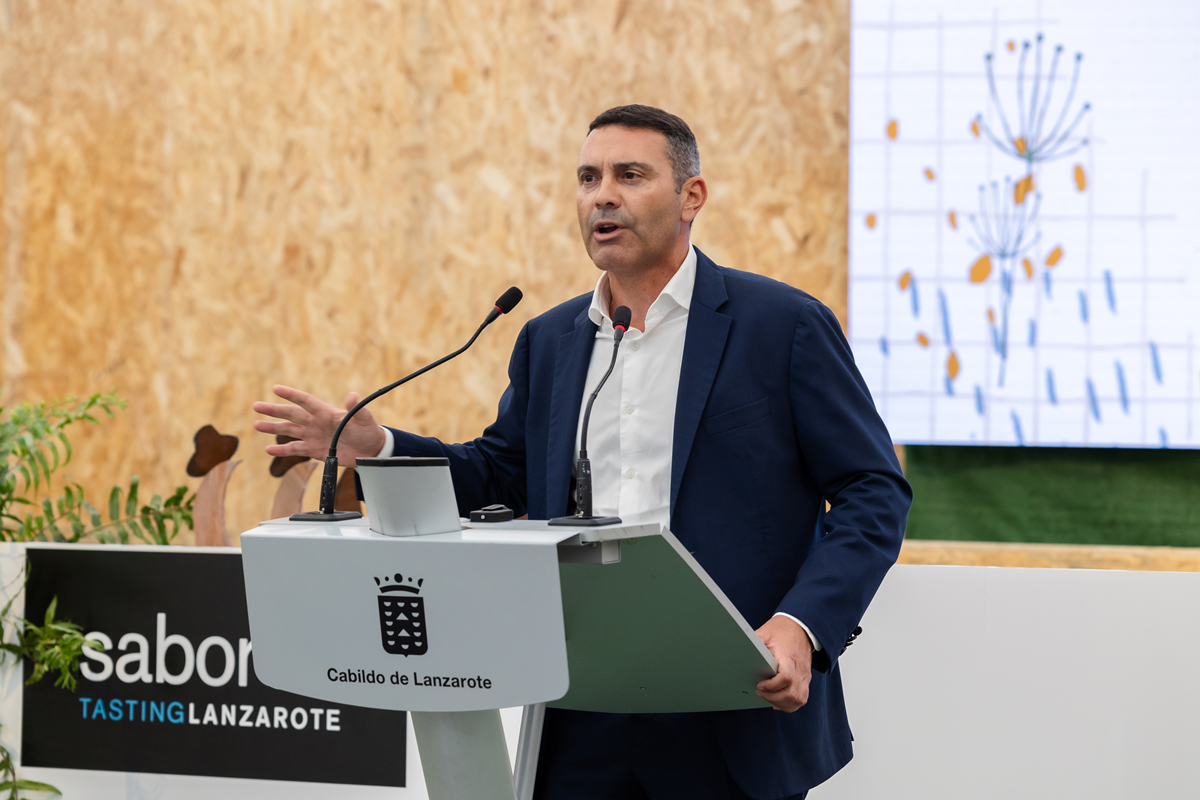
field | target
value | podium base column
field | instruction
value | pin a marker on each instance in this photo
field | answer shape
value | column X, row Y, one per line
column 464, row 755
column 528, row 748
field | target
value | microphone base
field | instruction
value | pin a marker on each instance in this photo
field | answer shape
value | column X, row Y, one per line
column 317, row 516
column 583, row 522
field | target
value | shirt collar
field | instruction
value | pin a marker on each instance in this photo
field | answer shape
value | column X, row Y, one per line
column 677, row 292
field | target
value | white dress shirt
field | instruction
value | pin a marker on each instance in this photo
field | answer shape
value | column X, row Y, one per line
column 632, row 427
column 633, row 418
column 631, row 432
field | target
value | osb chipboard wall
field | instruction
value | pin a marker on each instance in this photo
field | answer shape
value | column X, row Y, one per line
column 201, row 199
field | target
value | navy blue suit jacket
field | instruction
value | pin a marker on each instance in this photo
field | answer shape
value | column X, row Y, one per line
column 772, row 420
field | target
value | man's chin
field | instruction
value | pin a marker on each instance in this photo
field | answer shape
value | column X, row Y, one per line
column 610, row 257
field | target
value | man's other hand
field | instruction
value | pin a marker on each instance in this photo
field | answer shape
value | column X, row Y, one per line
column 790, row 645
column 312, row 421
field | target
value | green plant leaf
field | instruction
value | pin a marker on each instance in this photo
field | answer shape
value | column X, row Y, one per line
column 47, row 522
column 131, row 501
column 97, row 520
column 114, row 504
column 35, row 786
column 77, row 526
column 40, row 457
column 49, row 445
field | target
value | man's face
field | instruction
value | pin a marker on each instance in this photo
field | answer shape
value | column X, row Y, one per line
column 629, row 211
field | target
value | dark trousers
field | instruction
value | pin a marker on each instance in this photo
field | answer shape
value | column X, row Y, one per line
column 589, row 756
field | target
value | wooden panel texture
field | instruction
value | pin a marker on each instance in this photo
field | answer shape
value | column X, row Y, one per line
column 1051, row 556
column 201, row 199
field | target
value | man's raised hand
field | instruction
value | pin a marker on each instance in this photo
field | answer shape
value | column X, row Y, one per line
column 312, row 421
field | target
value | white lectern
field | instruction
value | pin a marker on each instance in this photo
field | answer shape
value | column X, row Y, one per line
column 454, row 625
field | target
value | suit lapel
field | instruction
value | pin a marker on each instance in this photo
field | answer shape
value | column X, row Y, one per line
column 570, row 372
column 704, row 344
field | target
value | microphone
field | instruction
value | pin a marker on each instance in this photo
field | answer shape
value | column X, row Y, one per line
column 506, row 303
column 583, row 467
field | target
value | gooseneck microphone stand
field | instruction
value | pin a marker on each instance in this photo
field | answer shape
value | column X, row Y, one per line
column 506, row 303
column 583, row 516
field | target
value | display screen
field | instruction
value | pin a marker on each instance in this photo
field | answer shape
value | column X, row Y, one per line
column 1024, row 218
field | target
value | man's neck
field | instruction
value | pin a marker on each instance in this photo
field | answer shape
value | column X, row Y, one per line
column 638, row 290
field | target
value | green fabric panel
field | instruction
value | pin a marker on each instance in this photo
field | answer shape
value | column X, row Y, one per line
column 1057, row 495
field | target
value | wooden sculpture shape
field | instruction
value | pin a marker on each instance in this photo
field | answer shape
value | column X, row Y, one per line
column 212, row 461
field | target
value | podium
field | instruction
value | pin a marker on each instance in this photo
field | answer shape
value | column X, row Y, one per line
column 452, row 626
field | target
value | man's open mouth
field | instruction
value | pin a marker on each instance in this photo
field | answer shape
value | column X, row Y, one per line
column 606, row 227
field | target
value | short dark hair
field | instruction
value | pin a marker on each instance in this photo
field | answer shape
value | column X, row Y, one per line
column 681, row 142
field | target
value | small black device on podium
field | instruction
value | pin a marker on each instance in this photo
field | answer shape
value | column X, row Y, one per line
column 507, row 302
column 493, row 513
column 583, row 516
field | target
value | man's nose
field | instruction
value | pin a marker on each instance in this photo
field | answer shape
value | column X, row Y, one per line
column 608, row 196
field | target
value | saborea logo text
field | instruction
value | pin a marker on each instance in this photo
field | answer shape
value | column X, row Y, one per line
column 215, row 662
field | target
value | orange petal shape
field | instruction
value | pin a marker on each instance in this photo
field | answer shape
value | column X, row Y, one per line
column 870, row 220
column 1025, row 262
column 953, row 220
column 1011, row 45
column 1023, row 187
column 922, row 340
column 981, row 269
column 975, row 128
column 992, row 316
column 952, row 365
column 1055, row 256
column 905, row 279
column 1080, row 177
column 1020, row 143
column 928, row 174
column 893, row 129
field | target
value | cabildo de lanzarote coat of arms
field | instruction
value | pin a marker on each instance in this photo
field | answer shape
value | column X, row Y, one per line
column 402, row 616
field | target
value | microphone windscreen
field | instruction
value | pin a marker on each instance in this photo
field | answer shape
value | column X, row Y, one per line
column 622, row 317
column 508, row 301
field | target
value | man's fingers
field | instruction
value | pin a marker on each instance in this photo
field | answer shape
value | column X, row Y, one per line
column 787, row 705
column 279, row 428
column 777, row 684
column 282, row 411
column 289, row 449
column 783, row 678
column 778, row 697
column 308, row 402
column 787, row 698
column 351, row 401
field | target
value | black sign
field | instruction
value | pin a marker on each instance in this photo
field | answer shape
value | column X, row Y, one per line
column 175, row 691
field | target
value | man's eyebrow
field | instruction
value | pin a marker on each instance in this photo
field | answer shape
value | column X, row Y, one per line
column 639, row 166
column 634, row 165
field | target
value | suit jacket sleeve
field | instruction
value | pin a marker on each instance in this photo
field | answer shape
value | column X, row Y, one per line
column 850, row 454
column 490, row 469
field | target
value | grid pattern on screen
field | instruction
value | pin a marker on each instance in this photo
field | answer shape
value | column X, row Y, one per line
column 1073, row 330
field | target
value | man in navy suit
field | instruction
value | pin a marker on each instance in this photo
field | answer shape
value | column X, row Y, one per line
column 740, row 418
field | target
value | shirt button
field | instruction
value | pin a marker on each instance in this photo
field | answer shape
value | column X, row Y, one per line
column 629, row 473
column 635, row 346
column 628, row 409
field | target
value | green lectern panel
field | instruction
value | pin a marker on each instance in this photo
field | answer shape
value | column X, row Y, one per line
column 648, row 635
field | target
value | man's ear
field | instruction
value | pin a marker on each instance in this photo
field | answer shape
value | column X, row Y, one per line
column 694, row 194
